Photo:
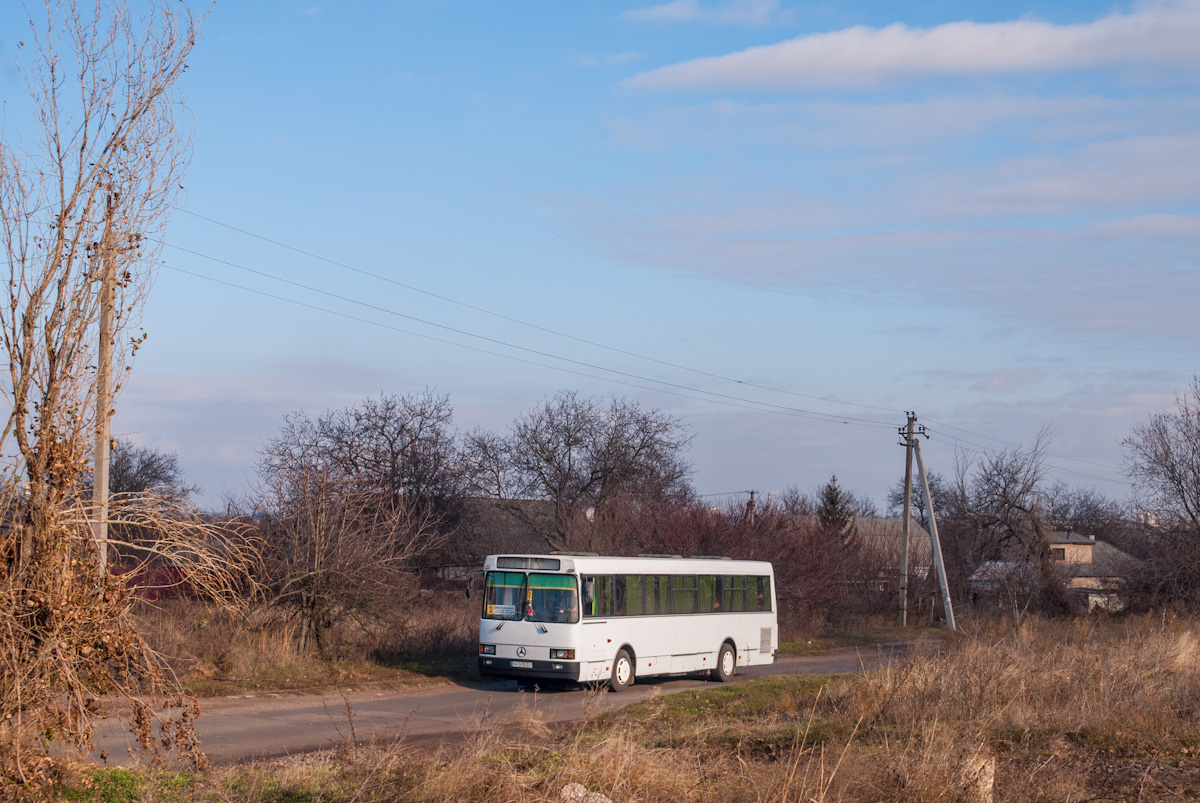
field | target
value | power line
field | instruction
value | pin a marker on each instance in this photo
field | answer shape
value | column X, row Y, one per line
column 496, row 341
column 720, row 398
column 951, row 440
column 522, row 322
column 1018, row 446
column 761, row 406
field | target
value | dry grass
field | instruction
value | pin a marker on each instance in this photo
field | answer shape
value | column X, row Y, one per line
column 1053, row 711
column 214, row 654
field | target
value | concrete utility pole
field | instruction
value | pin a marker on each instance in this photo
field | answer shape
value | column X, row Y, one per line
column 907, row 434
column 108, row 290
column 750, row 507
column 947, row 606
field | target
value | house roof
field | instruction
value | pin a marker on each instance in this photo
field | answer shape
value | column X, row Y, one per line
column 996, row 571
column 884, row 539
column 1107, row 561
column 888, row 528
column 1058, row 537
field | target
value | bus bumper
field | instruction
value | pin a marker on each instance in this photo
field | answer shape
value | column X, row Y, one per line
column 491, row 666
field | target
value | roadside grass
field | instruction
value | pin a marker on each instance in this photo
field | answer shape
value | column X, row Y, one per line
column 428, row 642
column 763, row 717
column 866, row 636
column 1033, row 711
column 117, row 785
column 314, row 675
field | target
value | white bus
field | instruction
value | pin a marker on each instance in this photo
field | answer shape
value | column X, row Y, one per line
column 585, row 618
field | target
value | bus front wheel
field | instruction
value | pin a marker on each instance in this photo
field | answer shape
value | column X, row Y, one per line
column 622, row 672
column 726, row 664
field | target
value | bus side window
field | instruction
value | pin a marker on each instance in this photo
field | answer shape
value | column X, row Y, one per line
column 601, row 593
column 683, row 593
column 635, row 594
column 664, row 594
column 734, row 593
column 709, row 600
column 618, row 581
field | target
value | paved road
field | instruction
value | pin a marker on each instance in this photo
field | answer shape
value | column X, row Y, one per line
column 267, row 725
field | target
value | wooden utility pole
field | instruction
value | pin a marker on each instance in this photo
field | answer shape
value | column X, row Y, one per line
column 907, row 434
column 947, row 605
column 108, row 281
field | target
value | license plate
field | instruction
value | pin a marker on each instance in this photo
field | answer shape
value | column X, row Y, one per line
column 521, row 664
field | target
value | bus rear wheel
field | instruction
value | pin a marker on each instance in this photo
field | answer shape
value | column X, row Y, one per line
column 726, row 664
column 622, row 672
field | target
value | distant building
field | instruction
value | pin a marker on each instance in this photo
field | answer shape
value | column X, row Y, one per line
column 1092, row 569
column 881, row 544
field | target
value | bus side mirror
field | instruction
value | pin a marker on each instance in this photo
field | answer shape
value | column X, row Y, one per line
column 587, row 593
column 470, row 582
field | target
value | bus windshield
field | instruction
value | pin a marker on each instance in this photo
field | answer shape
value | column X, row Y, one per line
column 552, row 598
column 535, row 597
column 503, row 594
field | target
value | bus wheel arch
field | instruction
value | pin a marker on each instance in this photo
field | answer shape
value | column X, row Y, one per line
column 726, row 662
column 624, row 669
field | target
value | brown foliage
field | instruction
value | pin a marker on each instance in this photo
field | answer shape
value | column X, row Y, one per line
column 82, row 193
column 333, row 552
column 70, row 648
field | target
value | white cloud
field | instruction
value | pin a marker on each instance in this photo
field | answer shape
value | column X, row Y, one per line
column 723, row 123
column 1149, row 170
column 1152, row 37
column 1115, row 281
column 736, row 12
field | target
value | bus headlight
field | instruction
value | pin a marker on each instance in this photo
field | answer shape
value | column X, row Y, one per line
column 562, row 654
column 487, row 649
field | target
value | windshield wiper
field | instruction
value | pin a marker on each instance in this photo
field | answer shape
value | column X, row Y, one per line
column 537, row 619
column 517, row 614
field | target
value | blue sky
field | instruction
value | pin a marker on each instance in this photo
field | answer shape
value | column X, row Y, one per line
column 983, row 212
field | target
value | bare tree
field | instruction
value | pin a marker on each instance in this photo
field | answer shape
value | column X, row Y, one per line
column 340, row 521
column 1089, row 512
column 86, row 184
column 579, row 456
column 400, row 448
column 86, row 195
column 998, row 508
column 1162, row 457
column 332, row 553
column 140, row 469
column 939, row 490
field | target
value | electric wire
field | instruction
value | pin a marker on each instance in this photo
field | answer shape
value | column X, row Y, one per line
column 496, row 341
column 761, row 406
column 975, row 447
column 719, row 398
column 521, row 322
column 1018, row 446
